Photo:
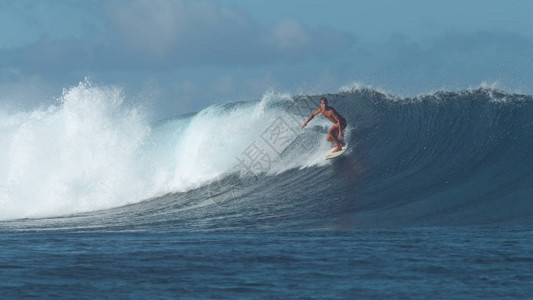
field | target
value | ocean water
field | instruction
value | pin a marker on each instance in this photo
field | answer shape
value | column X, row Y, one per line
column 397, row 263
column 433, row 198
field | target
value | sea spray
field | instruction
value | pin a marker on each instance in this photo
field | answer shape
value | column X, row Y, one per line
column 91, row 151
column 72, row 156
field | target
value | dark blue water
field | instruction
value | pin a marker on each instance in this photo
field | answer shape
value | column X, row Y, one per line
column 434, row 200
column 492, row 262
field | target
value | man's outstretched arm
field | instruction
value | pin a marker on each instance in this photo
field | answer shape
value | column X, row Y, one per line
column 316, row 112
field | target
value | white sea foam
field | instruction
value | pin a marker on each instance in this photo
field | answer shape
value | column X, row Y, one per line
column 70, row 157
column 90, row 151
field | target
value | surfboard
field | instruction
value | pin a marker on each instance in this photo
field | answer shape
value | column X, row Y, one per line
column 332, row 154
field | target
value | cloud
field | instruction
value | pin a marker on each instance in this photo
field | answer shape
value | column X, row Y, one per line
column 225, row 85
column 289, row 33
column 160, row 26
column 452, row 60
column 165, row 35
column 178, row 33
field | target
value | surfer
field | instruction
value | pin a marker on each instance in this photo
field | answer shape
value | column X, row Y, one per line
column 338, row 126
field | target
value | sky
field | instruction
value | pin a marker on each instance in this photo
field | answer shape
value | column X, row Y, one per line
column 179, row 56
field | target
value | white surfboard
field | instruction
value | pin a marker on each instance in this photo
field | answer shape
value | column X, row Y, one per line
column 332, row 154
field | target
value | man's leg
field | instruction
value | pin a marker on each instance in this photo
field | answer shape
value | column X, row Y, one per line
column 332, row 137
column 343, row 126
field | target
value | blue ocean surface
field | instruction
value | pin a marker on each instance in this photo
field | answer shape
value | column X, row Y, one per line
column 465, row 262
column 433, row 199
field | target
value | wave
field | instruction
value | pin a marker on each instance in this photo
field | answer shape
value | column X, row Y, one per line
column 90, row 151
column 448, row 158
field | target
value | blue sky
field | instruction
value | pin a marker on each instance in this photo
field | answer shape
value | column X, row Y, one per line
column 180, row 56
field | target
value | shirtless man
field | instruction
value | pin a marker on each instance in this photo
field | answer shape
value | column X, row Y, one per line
column 332, row 115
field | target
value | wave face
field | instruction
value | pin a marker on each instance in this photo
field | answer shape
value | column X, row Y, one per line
column 450, row 158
